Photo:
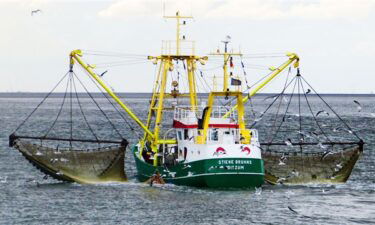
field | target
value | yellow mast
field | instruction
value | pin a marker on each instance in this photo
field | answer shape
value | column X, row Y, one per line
column 178, row 37
column 166, row 60
column 192, row 83
column 226, row 55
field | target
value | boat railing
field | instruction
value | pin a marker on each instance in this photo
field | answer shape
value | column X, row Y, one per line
column 217, row 83
column 214, row 136
column 186, row 47
column 189, row 113
column 167, row 134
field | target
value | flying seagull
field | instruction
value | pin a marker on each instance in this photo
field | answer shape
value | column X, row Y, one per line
column 287, row 117
column 359, row 106
column 272, row 96
column 288, row 142
column 280, row 180
column 337, row 129
column 321, row 145
column 308, row 91
column 325, row 154
column 295, row 212
column 35, row 11
column 282, row 160
column 322, row 111
column 290, row 208
column 102, row 74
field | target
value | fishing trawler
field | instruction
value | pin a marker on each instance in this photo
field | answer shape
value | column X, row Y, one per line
column 189, row 140
column 185, row 141
column 210, row 145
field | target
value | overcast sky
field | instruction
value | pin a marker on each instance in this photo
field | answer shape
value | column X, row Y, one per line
column 335, row 39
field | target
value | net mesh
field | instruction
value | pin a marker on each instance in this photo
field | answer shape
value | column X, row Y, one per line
column 82, row 166
column 310, row 167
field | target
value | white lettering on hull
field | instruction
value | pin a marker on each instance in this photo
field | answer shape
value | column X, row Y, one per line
column 237, row 161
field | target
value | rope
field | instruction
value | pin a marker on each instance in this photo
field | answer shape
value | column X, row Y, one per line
column 24, row 121
column 203, row 82
column 299, row 108
column 312, row 113
column 117, row 110
column 123, row 64
column 71, row 110
column 96, row 103
column 220, row 101
column 281, row 99
column 114, row 54
column 332, row 110
column 83, row 114
column 265, row 111
column 60, row 110
column 122, row 61
column 286, row 111
column 247, row 86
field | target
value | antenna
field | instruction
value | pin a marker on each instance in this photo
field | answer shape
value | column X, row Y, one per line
column 163, row 8
column 227, row 58
column 226, row 41
column 191, row 8
column 178, row 17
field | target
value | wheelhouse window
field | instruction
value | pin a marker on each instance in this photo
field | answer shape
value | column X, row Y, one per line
column 179, row 134
column 186, row 134
column 214, row 135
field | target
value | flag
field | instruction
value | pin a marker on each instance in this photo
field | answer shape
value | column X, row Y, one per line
column 235, row 82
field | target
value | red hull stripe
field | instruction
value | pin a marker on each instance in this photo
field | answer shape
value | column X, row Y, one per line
column 178, row 124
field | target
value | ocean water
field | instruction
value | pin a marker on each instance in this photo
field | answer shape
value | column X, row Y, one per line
column 27, row 198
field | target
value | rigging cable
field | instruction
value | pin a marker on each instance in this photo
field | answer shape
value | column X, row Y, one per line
column 83, row 114
column 312, row 113
column 53, row 89
column 247, row 86
column 97, row 104
column 274, row 100
column 286, row 111
column 71, row 110
column 116, row 108
column 61, row 108
column 349, row 128
column 281, row 99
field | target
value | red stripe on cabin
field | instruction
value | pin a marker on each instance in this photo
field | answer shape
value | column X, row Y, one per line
column 178, row 124
column 223, row 125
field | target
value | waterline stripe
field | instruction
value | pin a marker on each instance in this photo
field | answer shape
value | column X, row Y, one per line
column 211, row 174
column 208, row 174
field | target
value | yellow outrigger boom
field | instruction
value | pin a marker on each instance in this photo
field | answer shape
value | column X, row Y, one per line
column 76, row 56
column 292, row 58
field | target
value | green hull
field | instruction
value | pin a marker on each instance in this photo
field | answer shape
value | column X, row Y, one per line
column 213, row 173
